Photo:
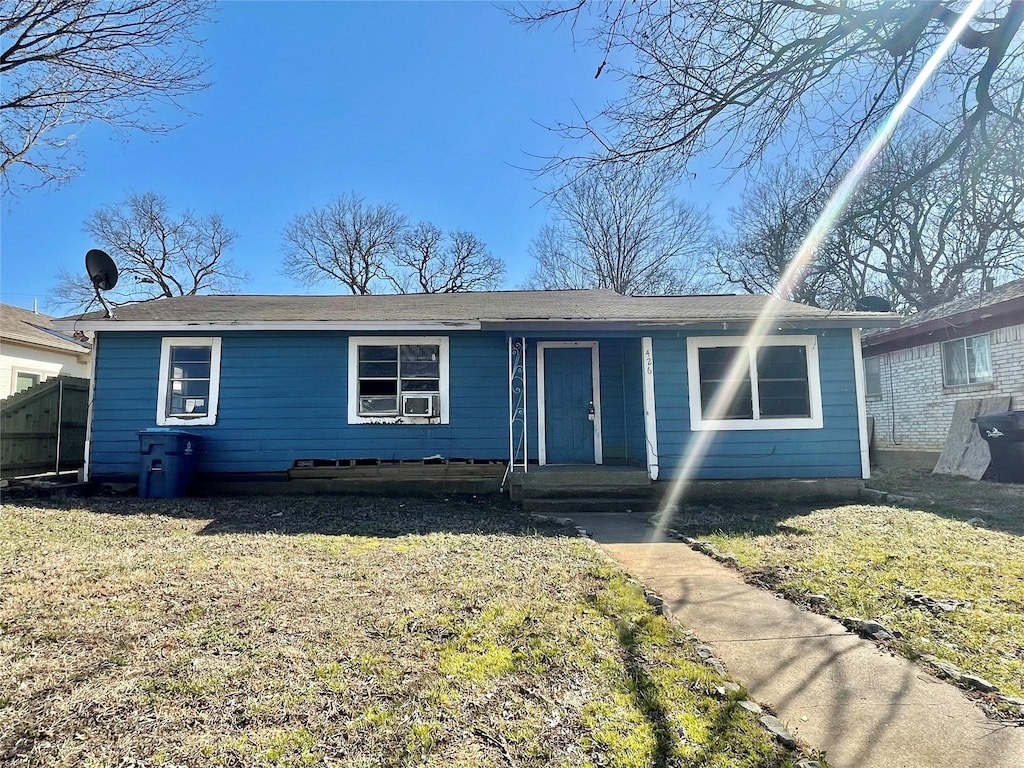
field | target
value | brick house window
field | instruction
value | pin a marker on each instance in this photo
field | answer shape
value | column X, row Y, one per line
column 966, row 361
column 873, row 376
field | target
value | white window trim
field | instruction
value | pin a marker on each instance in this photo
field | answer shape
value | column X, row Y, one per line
column 963, row 340
column 697, row 421
column 43, row 376
column 163, row 418
column 595, row 377
column 354, row 342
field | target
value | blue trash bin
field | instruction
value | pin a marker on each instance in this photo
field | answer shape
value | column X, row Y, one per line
column 167, row 459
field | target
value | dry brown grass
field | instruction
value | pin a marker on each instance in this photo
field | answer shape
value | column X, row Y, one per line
column 326, row 631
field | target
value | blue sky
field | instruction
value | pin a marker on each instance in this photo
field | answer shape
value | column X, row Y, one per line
column 436, row 107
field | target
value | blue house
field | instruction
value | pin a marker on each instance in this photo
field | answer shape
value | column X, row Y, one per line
column 528, row 379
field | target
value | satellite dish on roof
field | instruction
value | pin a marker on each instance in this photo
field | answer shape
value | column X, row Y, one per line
column 102, row 269
column 873, row 304
column 103, row 274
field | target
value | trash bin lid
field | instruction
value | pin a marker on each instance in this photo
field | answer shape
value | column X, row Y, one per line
column 1009, row 424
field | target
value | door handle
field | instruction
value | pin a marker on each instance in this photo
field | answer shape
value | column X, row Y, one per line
column 590, row 410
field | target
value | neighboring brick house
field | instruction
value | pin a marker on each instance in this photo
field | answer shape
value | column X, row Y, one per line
column 972, row 347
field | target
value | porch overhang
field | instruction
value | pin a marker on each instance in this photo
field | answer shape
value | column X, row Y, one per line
column 632, row 438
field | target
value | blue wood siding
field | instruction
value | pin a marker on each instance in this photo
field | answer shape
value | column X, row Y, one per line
column 283, row 396
column 833, row 451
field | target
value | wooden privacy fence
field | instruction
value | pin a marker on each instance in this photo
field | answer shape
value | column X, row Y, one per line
column 42, row 428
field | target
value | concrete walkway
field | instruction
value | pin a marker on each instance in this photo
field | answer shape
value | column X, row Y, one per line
column 834, row 691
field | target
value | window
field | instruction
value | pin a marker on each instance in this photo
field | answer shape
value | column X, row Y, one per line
column 398, row 380
column 23, row 380
column 966, row 361
column 189, row 381
column 777, row 383
column 873, row 376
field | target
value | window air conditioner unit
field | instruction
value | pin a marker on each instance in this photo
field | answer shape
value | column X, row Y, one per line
column 420, row 405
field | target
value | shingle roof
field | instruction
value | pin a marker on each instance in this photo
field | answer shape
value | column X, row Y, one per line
column 1005, row 292
column 27, row 327
column 482, row 306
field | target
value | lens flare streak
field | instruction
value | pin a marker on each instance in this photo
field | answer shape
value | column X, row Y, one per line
column 697, row 448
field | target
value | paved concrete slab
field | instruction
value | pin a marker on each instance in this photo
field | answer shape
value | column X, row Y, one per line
column 864, row 707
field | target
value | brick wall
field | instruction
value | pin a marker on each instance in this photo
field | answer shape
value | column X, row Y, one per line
column 913, row 395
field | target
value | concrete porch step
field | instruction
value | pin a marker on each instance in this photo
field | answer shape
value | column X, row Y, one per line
column 585, row 490
column 589, row 477
column 566, row 507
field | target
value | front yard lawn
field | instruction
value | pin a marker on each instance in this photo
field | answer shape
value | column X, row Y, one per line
column 1001, row 505
column 950, row 590
column 340, row 632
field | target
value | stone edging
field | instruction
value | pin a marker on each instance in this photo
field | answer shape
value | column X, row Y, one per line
column 880, row 495
column 873, row 630
column 771, row 723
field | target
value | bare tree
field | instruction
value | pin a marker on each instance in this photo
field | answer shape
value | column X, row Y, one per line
column 347, row 240
column 620, row 228
column 159, row 254
column 66, row 63
column 439, row 263
column 559, row 261
column 941, row 238
column 948, row 232
column 766, row 230
column 373, row 249
column 741, row 76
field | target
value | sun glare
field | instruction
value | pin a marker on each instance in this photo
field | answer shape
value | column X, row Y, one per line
column 697, row 448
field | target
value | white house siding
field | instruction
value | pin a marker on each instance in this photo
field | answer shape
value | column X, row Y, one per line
column 912, row 378
column 44, row 362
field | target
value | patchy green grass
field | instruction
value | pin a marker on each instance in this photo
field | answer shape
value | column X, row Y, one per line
column 1000, row 504
column 348, row 632
column 866, row 559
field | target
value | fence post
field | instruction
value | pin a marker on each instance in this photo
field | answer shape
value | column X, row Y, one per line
column 60, row 421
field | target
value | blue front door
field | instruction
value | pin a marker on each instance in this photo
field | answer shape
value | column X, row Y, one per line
column 568, row 398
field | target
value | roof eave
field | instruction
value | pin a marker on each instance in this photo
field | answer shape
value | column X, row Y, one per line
column 498, row 324
column 979, row 320
column 179, row 326
column 696, row 324
column 58, row 345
